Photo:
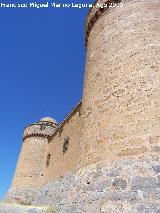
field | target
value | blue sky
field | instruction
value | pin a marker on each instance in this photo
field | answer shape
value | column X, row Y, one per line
column 42, row 58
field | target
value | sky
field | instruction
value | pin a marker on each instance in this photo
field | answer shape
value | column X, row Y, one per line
column 42, row 59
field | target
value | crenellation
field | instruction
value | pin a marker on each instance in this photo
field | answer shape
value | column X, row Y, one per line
column 43, row 129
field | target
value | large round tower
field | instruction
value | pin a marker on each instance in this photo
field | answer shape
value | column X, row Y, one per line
column 121, row 97
column 31, row 164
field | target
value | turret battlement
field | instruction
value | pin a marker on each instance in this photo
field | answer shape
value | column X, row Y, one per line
column 43, row 128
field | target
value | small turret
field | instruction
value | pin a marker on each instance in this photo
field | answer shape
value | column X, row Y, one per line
column 32, row 160
column 43, row 128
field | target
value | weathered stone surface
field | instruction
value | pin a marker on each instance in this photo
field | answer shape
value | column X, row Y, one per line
column 113, row 173
column 13, row 208
column 21, row 196
column 102, row 185
column 144, row 183
column 87, row 191
column 84, row 189
column 156, row 169
column 128, row 196
column 119, row 183
column 150, row 208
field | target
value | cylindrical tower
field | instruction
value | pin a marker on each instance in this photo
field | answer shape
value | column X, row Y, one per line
column 32, row 160
column 121, row 97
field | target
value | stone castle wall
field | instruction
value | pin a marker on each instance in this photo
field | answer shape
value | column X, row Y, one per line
column 104, row 157
column 47, row 153
column 32, row 154
column 31, row 163
column 120, row 104
column 64, row 146
column 126, row 186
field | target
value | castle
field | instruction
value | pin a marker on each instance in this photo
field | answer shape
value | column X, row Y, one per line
column 104, row 156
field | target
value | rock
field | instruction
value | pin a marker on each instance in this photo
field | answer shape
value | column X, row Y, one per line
column 119, row 183
column 101, row 185
column 144, row 183
column 14, row 208
column 113, row 173
column 150, row 208
column 156, row 169
column 129, row 196
column 84, row 191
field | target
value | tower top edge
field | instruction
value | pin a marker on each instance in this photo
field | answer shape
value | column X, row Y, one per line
column 46, row 120
column 43, row 128
column 95, row 12
column 49, row 119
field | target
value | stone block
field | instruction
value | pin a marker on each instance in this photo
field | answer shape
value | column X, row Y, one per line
column 119, row 183
column 156, row 169
column 144, row 183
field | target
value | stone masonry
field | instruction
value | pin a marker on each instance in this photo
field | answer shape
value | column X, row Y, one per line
column 104, row 156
